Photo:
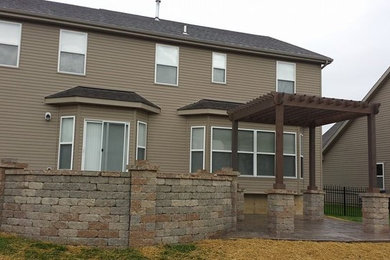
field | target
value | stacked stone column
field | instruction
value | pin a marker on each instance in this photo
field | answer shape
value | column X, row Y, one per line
column 143, row 204
column 281, row 211
column 313, row 205
column 234, row 189
column 375, row 208
column 7, row 164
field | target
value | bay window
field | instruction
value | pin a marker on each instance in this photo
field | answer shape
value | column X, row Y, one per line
column 141, row 140
column 66, row 143
column 221, row 148
column 197, row 145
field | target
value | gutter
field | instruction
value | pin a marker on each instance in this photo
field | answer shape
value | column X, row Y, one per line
column 327, row 62
column 17, row 14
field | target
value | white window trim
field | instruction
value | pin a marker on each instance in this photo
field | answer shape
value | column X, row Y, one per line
column 212, row 68
column 295, row 74
column 146, row 139
column 155, row 65
column 86, row 120
column 85, row 55
column 301, row 156
column 61, row 143
column 19, row 45
column 255, row 152
column 383, row 176
column 198, row 150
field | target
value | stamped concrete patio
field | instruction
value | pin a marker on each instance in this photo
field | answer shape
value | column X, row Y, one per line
column 330, row 229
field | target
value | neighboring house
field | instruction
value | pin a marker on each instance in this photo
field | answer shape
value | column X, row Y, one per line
column 94, row 89
column 345, row 158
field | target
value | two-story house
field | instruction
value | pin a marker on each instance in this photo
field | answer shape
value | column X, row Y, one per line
column 91, row 89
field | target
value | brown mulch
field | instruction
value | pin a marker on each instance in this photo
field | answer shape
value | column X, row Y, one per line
column 277, row 249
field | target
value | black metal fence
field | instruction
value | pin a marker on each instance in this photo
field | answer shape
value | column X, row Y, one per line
column 343, row 201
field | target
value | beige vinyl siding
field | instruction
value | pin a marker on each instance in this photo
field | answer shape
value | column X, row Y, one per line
column 124, row 63
column 346, row 162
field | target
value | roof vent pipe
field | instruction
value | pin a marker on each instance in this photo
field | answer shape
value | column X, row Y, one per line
column 157, row 17
column 185, row 30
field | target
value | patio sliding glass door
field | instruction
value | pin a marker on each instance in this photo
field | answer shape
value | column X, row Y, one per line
column 105, row 146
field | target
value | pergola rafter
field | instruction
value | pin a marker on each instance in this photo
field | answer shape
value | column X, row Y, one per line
column 305, row 111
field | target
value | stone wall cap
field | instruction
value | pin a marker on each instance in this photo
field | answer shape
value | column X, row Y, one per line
column 227, row 172
column 66, row 173
column 200, row 175
column 313, row 192
column 10, row 163
column 374, row 195
column 282, row 191
column 143, row 165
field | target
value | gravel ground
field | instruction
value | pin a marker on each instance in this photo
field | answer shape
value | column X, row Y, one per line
column 276, row 249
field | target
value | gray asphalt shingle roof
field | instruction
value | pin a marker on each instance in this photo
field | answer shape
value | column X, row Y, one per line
column 165, row 28
column 330, row 133
column 99, row 93
column 211, row 104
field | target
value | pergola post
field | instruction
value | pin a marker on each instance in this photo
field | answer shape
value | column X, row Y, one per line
column 371, row 153
column 313, row 199
column 235, row 145
column 312, row 158
column 279, row 122
column 375, row 205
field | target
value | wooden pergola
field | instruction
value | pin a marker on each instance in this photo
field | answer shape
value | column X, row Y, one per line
column 304, row 111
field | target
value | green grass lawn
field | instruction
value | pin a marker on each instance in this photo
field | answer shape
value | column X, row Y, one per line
column 352, row 213
column 14, row 247
column 338, row 210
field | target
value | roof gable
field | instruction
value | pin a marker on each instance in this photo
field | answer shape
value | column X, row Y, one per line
column 336, row 130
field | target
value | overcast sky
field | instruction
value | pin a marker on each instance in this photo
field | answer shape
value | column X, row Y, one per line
column 355, row 33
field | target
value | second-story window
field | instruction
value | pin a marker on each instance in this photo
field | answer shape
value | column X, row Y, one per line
column 10, row 43
column 285, row 79
column 72, row 52
column 167, row 64
column 219, row 68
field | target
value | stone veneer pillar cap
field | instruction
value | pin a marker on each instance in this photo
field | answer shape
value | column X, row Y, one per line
column 281, row 191
column 143, row 165
column 374, row 195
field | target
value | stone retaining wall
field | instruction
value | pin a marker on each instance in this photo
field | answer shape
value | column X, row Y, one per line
column 66, row 207
column 136, row 208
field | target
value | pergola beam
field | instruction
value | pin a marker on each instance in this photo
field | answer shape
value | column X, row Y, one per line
column 257, row 107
